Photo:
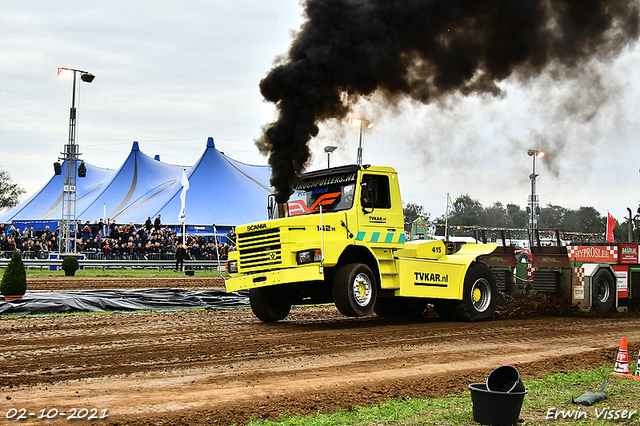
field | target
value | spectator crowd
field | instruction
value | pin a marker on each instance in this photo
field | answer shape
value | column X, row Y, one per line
column 149, row 241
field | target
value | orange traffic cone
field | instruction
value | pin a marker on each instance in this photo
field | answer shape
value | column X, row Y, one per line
column 621, row 368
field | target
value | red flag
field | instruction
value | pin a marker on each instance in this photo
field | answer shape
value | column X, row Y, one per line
column 611, row 223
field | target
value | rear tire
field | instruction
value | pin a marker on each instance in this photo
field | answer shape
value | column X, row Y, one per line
column 354, row 290
column 269, row 304
column 479, row 297
column 602, row 290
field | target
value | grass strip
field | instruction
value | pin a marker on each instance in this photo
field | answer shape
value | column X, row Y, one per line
column 548, row 401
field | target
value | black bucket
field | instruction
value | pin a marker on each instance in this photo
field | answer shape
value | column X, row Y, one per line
column 505, row 379
column 495, row 408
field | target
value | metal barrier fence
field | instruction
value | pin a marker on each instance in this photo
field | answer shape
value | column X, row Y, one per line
column 55, row 264
column 6, row 254
column 135, row 256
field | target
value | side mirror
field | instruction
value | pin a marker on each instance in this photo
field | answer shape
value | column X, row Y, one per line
column 368, row 195
column 271, row 200
column 275, row 210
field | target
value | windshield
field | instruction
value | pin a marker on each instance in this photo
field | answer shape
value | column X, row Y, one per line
column 334, row 193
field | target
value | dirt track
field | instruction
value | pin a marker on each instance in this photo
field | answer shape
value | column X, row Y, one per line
column 223, row 366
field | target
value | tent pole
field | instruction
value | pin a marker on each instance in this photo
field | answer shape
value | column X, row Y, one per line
column 183, row 242
column 215, row 238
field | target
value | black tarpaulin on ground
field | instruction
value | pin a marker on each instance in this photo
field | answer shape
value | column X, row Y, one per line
column 121, row 300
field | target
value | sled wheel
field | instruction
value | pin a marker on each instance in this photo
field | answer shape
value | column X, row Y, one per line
column 400, row 307
column 269, row 304
column 602, row 290
column 480, row 294
column 354, row 290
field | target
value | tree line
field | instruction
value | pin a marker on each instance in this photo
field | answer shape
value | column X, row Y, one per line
column 10, row 192
column 470, row 212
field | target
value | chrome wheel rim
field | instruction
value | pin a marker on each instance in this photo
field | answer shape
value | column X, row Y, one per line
column 362, row 290
column 481, row 295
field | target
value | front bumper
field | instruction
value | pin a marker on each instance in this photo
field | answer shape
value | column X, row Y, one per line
column 312, row 272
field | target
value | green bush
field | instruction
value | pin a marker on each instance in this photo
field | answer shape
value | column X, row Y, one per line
column 70, row 266
column 14, row 279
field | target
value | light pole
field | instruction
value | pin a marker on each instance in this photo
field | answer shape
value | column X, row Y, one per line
column 329, row 150
column 68, row 231
column 636, row 221
column 534, row 204
column 363, row 123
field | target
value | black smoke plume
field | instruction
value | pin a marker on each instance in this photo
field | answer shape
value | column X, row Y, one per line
column 423, row 49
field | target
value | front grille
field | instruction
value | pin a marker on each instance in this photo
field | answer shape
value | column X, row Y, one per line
column 259, row 250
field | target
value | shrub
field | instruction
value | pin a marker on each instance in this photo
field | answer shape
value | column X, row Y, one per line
column 14, row 279
column 70, row 266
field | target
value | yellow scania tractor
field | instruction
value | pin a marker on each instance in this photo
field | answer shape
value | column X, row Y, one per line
column 340, row 239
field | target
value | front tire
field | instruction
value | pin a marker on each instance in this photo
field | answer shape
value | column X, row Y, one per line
column 354, row 290
column 269, row 304
column 602, row 290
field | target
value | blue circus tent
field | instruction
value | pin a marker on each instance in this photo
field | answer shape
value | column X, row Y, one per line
column 234, row 192
column 223, row 191
column 46, row 204
column 140, row 186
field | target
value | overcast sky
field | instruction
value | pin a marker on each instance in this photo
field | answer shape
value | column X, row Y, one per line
column 171, row 74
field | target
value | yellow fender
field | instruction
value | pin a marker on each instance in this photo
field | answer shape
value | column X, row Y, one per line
column 426, row 270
